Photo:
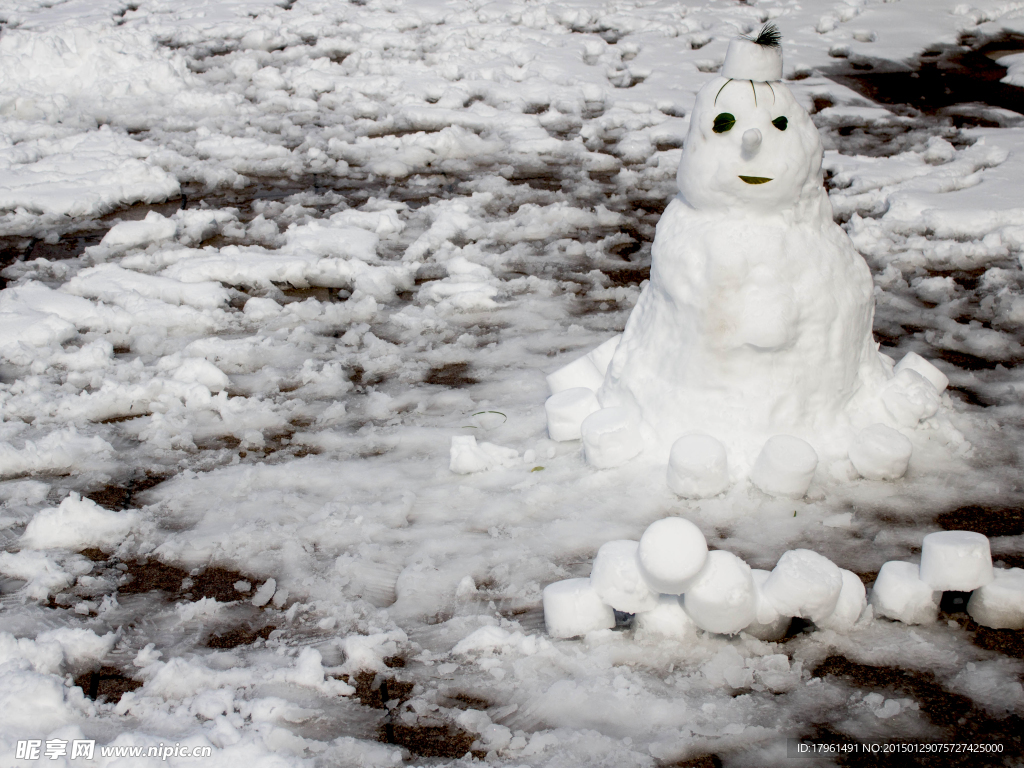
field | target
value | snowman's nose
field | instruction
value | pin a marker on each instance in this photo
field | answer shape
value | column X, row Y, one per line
column 751, row 141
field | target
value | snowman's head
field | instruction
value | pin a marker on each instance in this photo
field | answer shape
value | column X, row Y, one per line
column 750, row 144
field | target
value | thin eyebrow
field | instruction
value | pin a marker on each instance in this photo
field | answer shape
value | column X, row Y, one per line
column 755, row 92
column 722, row 89
column 772, row 90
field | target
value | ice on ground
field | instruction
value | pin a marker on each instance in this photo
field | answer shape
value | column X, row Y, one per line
column 1000, row 603
column 899, row 593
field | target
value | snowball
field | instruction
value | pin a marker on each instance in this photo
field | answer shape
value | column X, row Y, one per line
column 769, row 624
column 914, row 362
column 611, row 437
column 671, row 553
column 956, row 560
column 667, row 618
column 851, row 604
column 910, row 398
column 900, row 594
column 1000, row 603
column 785, row 466
column 804, row 583
column 567, row 410
column 616, row 578
column 467, row 457
column 722, row 598
column 697, row 467
column 880, row 453
column 572, row 608
column 77, row 524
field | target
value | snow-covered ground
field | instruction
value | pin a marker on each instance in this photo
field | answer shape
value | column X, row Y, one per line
column 265, row 259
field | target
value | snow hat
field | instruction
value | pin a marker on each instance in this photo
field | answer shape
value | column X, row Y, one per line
column 759, row 59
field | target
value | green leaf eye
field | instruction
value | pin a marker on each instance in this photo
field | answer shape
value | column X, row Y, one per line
column 723, row 123
column 781, row 123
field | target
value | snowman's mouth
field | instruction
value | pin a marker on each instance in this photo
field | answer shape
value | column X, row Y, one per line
column 755, row 179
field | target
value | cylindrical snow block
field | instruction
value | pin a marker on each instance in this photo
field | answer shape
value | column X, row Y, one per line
column 698, row 467
column 616, row 578
column 1000, row 603
column 804, row 583
column 611, row 437
column 722, row 598
column 572, row 608
column 960, row 561
column 671, row 553
column 567, row 410
column 880, row 453
column 785, row 467
column 900, row 594
column 852, row 602
column 915, row 362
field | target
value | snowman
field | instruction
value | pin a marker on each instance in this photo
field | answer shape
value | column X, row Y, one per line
column 749, row 353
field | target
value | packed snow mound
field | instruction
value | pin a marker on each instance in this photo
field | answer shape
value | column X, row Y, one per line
column 51, row 73
column 78, row 524
column 81, row 175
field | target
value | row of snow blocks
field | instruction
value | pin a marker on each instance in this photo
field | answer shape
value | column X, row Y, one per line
column 671, row 583
column 880, row 453
column 698, row 467
column 785, row 467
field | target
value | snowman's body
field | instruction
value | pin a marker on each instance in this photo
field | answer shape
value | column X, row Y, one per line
column 757, row 318
column 750, row 326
